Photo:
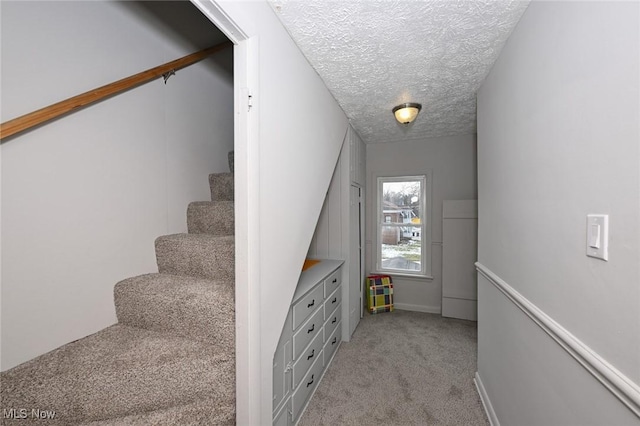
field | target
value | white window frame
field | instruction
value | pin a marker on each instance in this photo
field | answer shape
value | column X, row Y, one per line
column 425, row 224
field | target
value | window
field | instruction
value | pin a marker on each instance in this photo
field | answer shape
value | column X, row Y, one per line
column 403, row 224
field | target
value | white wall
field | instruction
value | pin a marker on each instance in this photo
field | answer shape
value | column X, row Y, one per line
column 453, row 163
column 85, row 196
column 558, row 138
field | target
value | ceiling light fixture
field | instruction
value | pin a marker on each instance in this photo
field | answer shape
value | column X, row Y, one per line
column 407, row 112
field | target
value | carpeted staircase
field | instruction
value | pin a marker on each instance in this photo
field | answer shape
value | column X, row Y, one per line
column 170, row 359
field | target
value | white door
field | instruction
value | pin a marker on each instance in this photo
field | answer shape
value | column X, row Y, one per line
column 459, row 254
column 356, row 271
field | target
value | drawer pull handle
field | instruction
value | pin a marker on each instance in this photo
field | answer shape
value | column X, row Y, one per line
column 334, row 320
column 335, row 280
column 313, row 302
column 311, row 329
column 335, row 339
column 313, row 352
column 334, row 300
column 311, row 382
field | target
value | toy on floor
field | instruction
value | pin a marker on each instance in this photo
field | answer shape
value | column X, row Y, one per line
column 380, row 293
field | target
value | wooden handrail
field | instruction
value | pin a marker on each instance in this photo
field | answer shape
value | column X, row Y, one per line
column 42, row 115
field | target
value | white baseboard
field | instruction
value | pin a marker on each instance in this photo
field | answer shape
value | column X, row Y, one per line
column 621, row 386
column 417, row 308
column 486, row 402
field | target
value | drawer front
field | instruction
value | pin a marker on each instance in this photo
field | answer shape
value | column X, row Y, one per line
column 332, row 344
column 307, row 332
column 309, row 355
column 282, row 417
column 305, row 306
column 332, row 282
column 332, row 322
column 306, row 387
column 331, row 302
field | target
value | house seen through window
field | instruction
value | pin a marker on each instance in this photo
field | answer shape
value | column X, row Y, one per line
column 402, row 224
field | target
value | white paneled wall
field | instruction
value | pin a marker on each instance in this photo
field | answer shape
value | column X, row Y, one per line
column 331, row 238
column 327, row 239
column 350, row 170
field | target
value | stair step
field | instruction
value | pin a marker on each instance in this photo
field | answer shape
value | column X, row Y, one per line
column 186, row 306
column 221, row 185
column 197, row 255
column 122, row 371
column 211, row 217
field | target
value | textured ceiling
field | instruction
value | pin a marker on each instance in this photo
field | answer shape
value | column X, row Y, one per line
column 374, row 55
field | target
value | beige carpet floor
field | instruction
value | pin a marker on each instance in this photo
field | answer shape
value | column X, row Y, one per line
column 401, row 368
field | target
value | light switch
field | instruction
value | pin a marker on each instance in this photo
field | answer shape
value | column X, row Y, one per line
column 598, row 236
column 594, row 236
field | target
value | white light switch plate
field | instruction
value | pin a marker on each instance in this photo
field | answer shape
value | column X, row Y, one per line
column 598, row 236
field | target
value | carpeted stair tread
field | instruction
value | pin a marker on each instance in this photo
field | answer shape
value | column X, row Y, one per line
column 118, row 372
column 221, row 185
column 211, row 217
column 186, row 306
column 197, row 255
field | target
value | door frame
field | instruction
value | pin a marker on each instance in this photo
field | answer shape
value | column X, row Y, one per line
column 246, row 177
column 361, row 257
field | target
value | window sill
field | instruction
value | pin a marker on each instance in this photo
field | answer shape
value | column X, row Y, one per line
column 404, row 276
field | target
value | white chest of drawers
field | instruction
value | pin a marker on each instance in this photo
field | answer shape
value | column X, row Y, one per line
column 310, row 337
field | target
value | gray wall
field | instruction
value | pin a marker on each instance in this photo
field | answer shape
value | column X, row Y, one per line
column 84, row 197
column 558, row 138
column 453, row 163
